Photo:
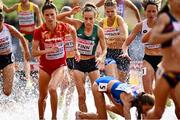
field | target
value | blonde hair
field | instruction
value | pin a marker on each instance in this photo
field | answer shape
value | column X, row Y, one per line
column 110, row 3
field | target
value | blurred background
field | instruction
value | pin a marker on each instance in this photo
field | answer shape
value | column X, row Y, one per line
column 129, row 16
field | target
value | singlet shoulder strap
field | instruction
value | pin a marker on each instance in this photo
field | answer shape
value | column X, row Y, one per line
column 115, row 24
column 31, row 8
column 82, row 26
column 19, row 7
column 95, row 29
column 105, row 22
column 145, row 27
column 6, row 25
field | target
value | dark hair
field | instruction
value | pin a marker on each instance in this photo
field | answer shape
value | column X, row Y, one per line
column 145, row 3
column 110, row 3
column 1, row 15
column 140, row 100
column 48, row 5
column 165, row 9
column 89, row 7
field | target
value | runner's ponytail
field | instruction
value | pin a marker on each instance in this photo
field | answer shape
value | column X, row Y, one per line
column 48, row 5
column 90, row 7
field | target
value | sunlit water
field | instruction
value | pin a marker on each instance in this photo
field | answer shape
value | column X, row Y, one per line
column 22, row 103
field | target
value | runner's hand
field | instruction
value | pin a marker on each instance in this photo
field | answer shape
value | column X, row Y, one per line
column 125, row 55
column 77, row 56
column 52, row 50
column 75, row 10
column 100, row 63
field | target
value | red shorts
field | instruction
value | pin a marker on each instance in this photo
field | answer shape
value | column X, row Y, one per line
column 50, row 68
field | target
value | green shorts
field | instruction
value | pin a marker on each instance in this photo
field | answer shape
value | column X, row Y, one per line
column 29, row 37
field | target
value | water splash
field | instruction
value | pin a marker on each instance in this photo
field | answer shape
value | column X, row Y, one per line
column 22, row 103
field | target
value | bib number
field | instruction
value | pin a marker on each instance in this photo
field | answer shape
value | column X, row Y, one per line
column 102, row 87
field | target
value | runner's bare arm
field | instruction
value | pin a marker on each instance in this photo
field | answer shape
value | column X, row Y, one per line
column 38, row 15
column 63, row 17
column 20, row 37
column 157, row 37
column 129, row 4
column 100, row 3
column 126, row 104
column 123, row 29
column 10, row 9
column 102, row 43
column 74, row 37
column 35, row 45
column 131, row 37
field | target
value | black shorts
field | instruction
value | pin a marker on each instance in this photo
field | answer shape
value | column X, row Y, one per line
column 172, row 78
column 70, row 63
column 112, row 57
column 86, row 65
column 6, row 60
column 153, row 60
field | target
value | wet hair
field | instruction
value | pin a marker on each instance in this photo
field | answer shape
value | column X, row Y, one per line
column 90, row 7
column 48, row 5
column 145, row 3
column 110, row 3
column 140, row 100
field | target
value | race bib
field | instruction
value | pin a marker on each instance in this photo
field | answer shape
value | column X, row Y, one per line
column 58, row 54
column 111, row 32
column 144, row 71
column 69, row 45
column 102, row 87
column 150, row 46
column 85, row 46
column 26, row 18
column 5, row 45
